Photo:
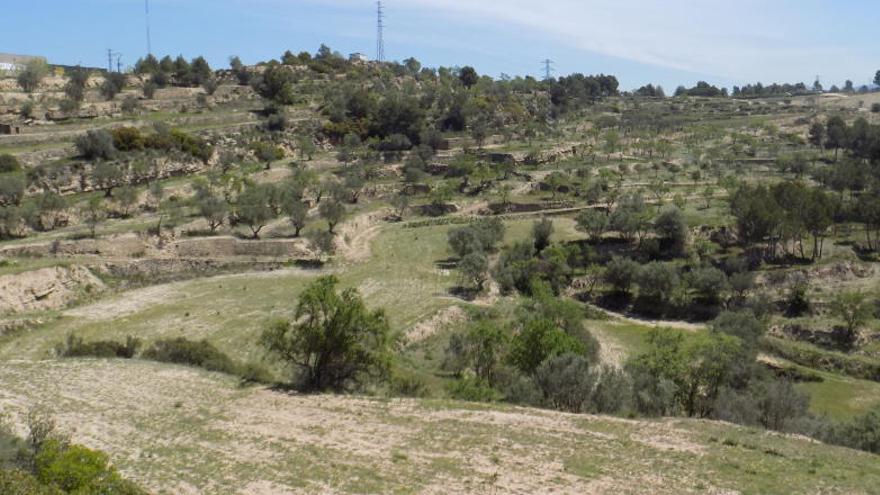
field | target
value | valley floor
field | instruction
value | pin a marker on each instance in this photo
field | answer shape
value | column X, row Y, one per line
column 179, row 430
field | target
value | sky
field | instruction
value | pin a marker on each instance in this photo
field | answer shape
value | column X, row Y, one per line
column 667, row 42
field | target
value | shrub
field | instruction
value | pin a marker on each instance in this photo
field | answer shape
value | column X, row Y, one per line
column 472, row 390
column 201, row 354
column 9, row 163
column 75, row 347
column 113, row 84
column 620, row 273
column 538, row 340
column 566, row 382
column 77, row 469
column 32, row 75
column 96, row 144
column 150, row 88
column 127, row 139
column 541, row 232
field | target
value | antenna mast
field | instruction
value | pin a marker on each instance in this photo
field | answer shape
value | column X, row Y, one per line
column 149, row 40
column 548, row 68
column 380, row 32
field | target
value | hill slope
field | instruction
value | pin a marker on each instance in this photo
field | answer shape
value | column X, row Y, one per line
column 178, row 430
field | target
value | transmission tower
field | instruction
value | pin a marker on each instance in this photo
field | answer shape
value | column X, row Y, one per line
column 110, row 55
column 548, row 68
column 149, row 40
column 380, row 32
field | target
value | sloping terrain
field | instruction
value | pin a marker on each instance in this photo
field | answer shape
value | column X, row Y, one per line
column 178, row 430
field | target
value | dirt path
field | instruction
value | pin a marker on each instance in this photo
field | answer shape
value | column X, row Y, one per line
column 355, row 237
column 678, row 325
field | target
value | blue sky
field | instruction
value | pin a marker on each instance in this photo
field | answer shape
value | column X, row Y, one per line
column 669, row 42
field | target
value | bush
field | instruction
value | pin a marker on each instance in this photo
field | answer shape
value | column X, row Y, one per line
column 16, row 482
column 97, row 144
column 113, row 84
column 201, row 354
column 539, row 340
column 33, row 73
column 9, row 163
column 127, row 139
column 620, row 273
column 76, row 347
column 472, row 390
column 77, row 469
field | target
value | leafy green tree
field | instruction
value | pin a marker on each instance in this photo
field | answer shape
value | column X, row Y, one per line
column 297, row 212
column 593, row 222
column 113, row 84
column 267, row 153
column 468, row 76
column 657, row 281
column 213, row 209
column 333, row 340
column 276, row 83
column 621, row 273
column 474, row 269
column 95, row 144
column 33, row 73
column 93, row 213
column 538, row 340
column 75, row 89
column 254, row 207
column 710, row 284
column 332, row 211
column 671, row 226
column 854, row 309
column 542, row 231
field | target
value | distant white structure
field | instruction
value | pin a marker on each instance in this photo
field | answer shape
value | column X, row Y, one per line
column 359, row 58
column 12, row 63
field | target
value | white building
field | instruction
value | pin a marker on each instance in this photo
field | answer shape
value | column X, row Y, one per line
column 11, row 63
column 358, row 57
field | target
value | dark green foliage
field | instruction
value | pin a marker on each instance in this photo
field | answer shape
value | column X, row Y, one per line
column 276, row 83
column 538, row 340
column 113, row 84
column 542, row 230
column 12, row 186
column 76, row 347
column 482, row 235
column 33, row 73
column 570, row 383
column 9, row 163
column 697, row 368
column 773, row 404
column 480, row 348
column 333, row 341
column 200, row 354
column 75, row 89
column 96, row 144
column 657, row 281
column 254, row 207
column 332, row 211
column 672, row 228
column 468, row 76
column 474, row 269
column 621, row 273
column 17, row 482
column 472, row 390
column 709, row 283
column 127, row 139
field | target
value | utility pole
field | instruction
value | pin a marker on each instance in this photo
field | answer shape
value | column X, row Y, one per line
column 548, row 68
column 380, row 32
column 149, row 40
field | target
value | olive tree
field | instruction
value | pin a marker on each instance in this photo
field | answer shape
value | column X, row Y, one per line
column 333, row 341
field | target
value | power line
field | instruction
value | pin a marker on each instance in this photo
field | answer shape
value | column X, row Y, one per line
column 380, row 32
column 149, row 40
column 548, row 68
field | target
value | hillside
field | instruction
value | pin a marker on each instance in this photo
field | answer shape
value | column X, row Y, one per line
column 176, row 430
